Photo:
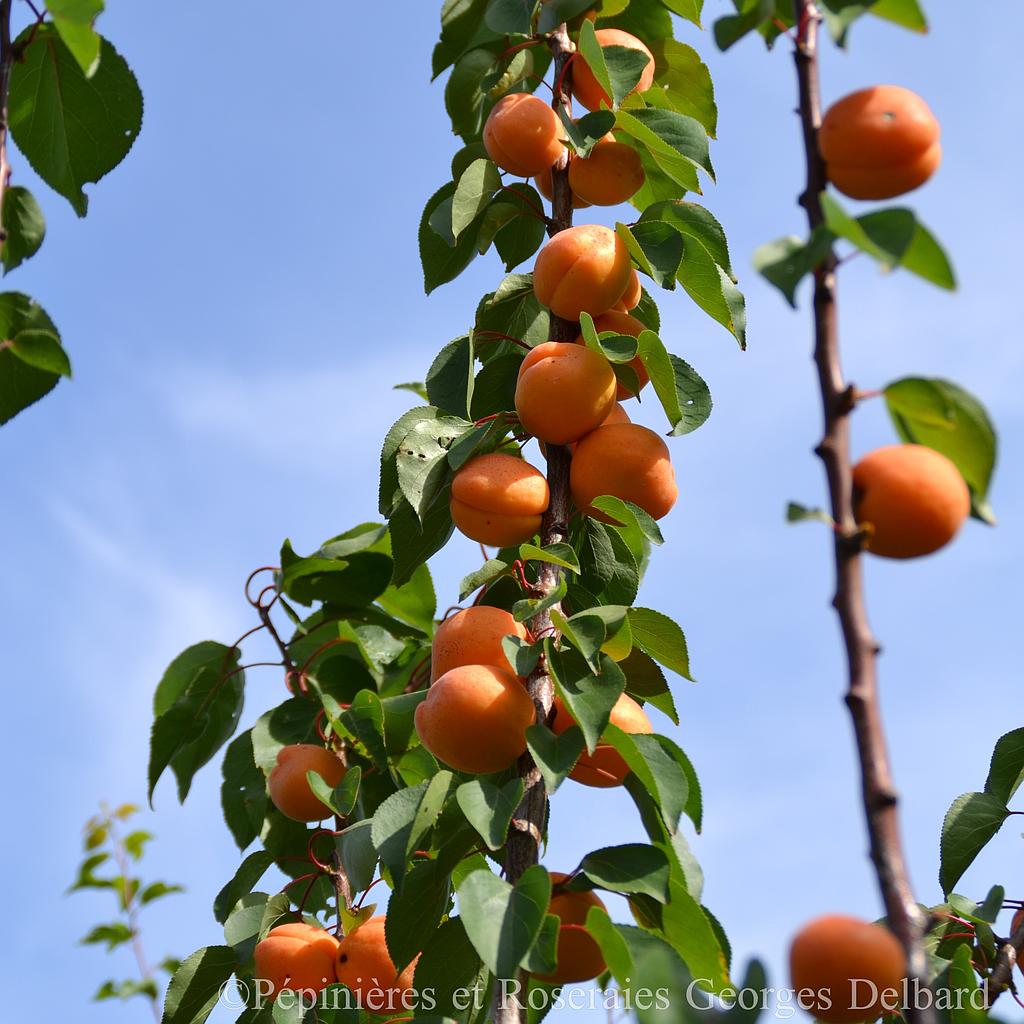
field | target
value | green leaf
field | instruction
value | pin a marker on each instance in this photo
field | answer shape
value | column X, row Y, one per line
column 894, row 238
column 688, row 9
column 554, row 12
column 1006, row 772
column 401, row 821
column 796, row 513
column 509, row 16
column 668, row 134
column 683, row 79
column 415, row 602
column 20, row 383
column 555, row 755
column 415, row 911
column 25, row 226
column 645, row 681
column 971, row 821
column 786, row 261
column 489, row 808
column 657, row 635
column 113, row 935
column 490, row 571
column 390, row 495
column 249, row 872
column 633, row 868
column 342, row 798
column 156, row 891
column 243, row 791
column 476, row 186
column 41, row 350
column 452, row 971
column 460, row 22
column 696, row 222
column 197, row 706
column 195, row 987
column 72, row 129
column 733, row 27
column 522, row 229
column 711, row 287
column 943, row 416
column 357, row 854
column 74, row 21
column 503, row 921
column 443, row 258
column 424, row 472
column 464, row 98
column 554, row 554
column 586, row 132
column 356, row 580
column 658, row 771
column 412, row 542
column 589, row 697
column 450, row 380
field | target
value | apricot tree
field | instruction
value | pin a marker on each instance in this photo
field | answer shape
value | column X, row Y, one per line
column 433, row 747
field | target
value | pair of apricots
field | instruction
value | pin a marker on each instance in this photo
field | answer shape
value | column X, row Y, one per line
column 306, row 959
column 476, row 712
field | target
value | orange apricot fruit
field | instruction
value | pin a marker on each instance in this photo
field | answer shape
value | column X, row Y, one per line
column 564, row 391
column 622, row 323
column 879, row 142
column 832, row 959
column 364, row 965
column 617, row 415
column 912, row 497
column 473, row 637
column 632, row 295
column 585, row 86
column 523, row 135
column 579, row 955
column 627, row 461
column 475, row 718
column 612, row 174
column 498, row 499
column 296, row 956
column 584, row 269
column 289, row 788
column 605, row 767
column 544, row 187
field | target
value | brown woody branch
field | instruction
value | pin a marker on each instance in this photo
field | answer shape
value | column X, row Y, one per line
column 1008, row 957
column 7, row 56
column 530, row 820
column 905, row 916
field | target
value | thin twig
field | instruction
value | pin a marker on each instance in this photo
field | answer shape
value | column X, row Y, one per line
column 1002, row 972
column 905, row 916
column 6, row 63
column 530, row 819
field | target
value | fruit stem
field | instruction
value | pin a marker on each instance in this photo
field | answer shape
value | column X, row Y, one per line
column 904, row 914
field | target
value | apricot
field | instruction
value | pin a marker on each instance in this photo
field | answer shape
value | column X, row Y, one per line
column 579, row 955
column 582, row 270
column 879, row 142
column 913, row 498
column 627, row 461
column 835, row 956
column 612, row 174
column 585, row 86
column 473, row 637
column 564, row 391
column 523, row 135
column 475, row 718
column 296, row 956
column 289, row 788
column 364, row 965
column 632, row 295
column 617, row 415
column 605, row 767
column 544, row 187
column 622, row 323
column 498, row 499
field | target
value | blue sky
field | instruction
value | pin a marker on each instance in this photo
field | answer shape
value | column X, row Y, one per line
column 237, row 305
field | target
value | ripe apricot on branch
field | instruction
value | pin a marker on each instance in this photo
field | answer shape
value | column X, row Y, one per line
column 498, row 499
column 605, row 767
column 364, row 965
column 830, row 953
column 585, row 86
column 296, row 956
column 579, row 955
column 564, row 391
column 473, row 637
column 622, row 323
column 912, row 497
column 523, row 135
column 475, row 718
column 879, row 142
column 289, row 788
column 627, row 461
column 584, row 269
column 612, row 174
column 632, row 295
column 544, row 187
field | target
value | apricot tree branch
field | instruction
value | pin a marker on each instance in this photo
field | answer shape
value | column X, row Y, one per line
column 6, row 63
column 530, row 819
column 905, row 916
column 1009, row 955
